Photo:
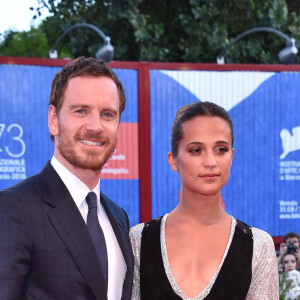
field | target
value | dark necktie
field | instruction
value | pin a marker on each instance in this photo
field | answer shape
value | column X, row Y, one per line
column 97, row 233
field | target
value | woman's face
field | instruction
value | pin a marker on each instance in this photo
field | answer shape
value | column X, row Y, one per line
column 204, row 155
column 289, row 262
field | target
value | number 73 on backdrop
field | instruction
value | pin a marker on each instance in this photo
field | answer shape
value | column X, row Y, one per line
column 12, row 167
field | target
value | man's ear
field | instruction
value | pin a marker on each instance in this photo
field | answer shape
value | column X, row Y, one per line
column 172, row 161
column 52, row 121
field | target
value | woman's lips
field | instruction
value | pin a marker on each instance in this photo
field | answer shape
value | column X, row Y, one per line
column 209, row 176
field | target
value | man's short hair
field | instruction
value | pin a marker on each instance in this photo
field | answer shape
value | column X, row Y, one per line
column 290, row 235
column 82, row 67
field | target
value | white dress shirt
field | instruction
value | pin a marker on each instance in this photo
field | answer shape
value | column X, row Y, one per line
column 116, row 264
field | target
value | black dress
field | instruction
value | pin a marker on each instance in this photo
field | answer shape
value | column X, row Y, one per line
column 232, row 282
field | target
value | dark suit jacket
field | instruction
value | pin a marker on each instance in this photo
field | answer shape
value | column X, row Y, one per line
column 45, row 249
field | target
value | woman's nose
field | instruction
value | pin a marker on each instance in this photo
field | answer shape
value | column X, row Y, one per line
column 210, row 160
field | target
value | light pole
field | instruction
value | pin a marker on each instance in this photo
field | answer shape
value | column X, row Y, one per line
column 106, row 52
column 286, row 55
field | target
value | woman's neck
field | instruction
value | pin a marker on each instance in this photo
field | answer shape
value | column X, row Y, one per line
column 205, row 210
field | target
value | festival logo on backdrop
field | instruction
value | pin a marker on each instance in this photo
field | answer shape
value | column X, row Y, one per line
column 264, row 184
column 289, row 170
column 12, row 150
column 290, row 142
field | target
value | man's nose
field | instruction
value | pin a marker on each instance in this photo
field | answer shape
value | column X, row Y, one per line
column 94, row 123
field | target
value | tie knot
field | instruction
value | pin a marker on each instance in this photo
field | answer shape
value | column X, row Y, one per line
column 91, row 200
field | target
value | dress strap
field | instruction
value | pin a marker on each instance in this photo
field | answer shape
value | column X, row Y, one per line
column 154, row 283
column 245, row 228
column 235, row 276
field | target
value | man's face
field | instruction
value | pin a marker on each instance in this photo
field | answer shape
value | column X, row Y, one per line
column 294, row 240
column 86, row 128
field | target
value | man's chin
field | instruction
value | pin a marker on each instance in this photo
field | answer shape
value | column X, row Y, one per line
column 91, row 159
column 90, row 165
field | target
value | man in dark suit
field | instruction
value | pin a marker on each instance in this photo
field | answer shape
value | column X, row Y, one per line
column 47, row 250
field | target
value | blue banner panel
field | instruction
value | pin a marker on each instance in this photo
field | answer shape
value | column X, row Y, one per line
column 25, row 144
column 126, row 194
column 166, row 97
column 264, row 188
column 264, row 185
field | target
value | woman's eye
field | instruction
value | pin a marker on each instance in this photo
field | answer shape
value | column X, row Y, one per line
column 221, row 150
column 195, row 151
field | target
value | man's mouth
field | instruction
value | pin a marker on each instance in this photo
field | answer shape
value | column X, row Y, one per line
column 91, row 143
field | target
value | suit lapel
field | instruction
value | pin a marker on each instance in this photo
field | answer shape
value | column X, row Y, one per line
column 121, row 233
column 70, row 226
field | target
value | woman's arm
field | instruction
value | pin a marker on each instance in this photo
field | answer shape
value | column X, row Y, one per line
column 135, row 239
column 264, row 284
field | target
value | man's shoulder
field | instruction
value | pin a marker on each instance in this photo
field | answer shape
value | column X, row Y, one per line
column 31, row 185
column 23, row 187
column 21, row 199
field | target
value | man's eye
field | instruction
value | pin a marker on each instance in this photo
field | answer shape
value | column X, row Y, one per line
column 80, row 111
column 108, row 115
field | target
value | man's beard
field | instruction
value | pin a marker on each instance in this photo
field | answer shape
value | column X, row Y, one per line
column 92, row 159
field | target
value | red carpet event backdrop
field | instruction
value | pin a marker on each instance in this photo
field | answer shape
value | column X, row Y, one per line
column 264, row 186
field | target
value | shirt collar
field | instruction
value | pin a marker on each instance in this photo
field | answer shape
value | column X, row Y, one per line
column 75, row 186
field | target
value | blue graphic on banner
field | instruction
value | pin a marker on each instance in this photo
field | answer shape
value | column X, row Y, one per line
column 25, row 144
column 166, row 97
column 25, row 141
column 264, row 185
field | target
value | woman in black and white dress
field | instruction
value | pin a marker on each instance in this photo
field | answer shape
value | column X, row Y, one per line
column 198, row 251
